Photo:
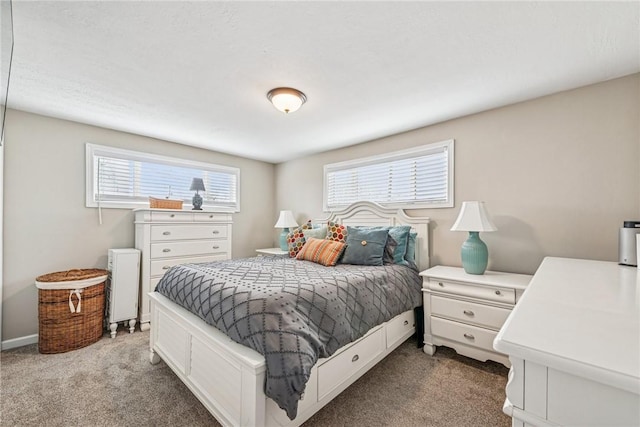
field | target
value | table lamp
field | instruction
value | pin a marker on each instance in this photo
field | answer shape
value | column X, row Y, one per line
column 474, row 218
column 285, row 221
column 197, row 185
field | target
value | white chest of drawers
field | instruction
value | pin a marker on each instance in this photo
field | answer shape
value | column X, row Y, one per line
column 169, row 237
column 466, row 311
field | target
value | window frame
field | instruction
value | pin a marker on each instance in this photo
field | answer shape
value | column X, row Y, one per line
column 93, row 150
column 422, row 150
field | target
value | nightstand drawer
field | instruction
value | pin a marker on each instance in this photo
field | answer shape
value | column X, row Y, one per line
column 490, row 293
column 186, row 232
column 466, row 334
column 196, row 247
column 483, row 315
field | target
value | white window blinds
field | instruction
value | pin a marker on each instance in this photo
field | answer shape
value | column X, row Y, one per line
column 419, row 177
column 124, row 178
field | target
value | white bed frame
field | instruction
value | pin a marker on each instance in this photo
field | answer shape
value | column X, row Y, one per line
column 228, row 378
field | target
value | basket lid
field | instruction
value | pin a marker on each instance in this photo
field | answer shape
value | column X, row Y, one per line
column 71, row 279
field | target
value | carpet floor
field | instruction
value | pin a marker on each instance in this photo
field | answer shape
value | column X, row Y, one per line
column 112, row 383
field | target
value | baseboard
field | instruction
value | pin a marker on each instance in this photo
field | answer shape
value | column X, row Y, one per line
column 19, row 342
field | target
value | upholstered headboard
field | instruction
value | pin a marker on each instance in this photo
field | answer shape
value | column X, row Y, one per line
column 372, row 214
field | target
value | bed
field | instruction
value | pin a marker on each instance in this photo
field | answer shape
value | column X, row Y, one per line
column 232, row 380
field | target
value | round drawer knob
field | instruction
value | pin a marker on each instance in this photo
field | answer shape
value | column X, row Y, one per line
column 406, row 322
column 469, row 313
column 166, row 250
column 498, row 293
column 166, row 233
column 216, row 232
column 469, row 337
column 441, row 284
column 172, row 215
column 355, row 358
column 216, row 247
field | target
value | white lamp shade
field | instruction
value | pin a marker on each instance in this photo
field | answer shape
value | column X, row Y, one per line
column 473, row 217
column 286, row 220
column 286, row 99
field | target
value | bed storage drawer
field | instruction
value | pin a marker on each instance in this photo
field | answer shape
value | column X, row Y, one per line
column 343, row 365
column 160, row 233
column 488, row 293
column 399, row 327
column 469, row 312
column 462, row 333
column 200, row 247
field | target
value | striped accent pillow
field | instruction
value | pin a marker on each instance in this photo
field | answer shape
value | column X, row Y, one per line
column 321, row 251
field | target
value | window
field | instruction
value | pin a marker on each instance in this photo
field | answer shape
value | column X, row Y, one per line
column 420, row 177
column 118, row 178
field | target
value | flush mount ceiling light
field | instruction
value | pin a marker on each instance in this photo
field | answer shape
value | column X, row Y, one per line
column 286, row 99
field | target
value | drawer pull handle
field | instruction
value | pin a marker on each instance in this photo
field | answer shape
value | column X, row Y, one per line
column 172, row 215
column 469, row 337
column 166, row 233
column 166, row 267
column 166, row 250
column 440, row 283
column 498, row 293
column 468, row 312
column 406, row 322
column 216, row 231
column 355, row 358
column 211, row 216
column 216, row 247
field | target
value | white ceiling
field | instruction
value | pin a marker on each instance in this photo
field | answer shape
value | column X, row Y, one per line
column 197, row 73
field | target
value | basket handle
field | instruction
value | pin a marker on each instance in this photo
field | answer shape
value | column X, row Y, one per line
column 68, row 273
column 71, row 307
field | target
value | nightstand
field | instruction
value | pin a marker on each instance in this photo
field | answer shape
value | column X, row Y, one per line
column 466, row 311
column 271, row 251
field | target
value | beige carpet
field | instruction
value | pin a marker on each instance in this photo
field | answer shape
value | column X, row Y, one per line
column 112, row 383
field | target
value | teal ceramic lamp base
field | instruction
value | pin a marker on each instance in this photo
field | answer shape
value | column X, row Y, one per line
column 283, row 239
column 475, row 255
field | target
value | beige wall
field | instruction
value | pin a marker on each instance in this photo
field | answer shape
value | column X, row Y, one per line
column 559, row 174
column 48, row 228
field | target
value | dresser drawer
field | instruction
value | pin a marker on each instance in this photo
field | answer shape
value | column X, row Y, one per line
column 169, row 232
column 398, row 327
column 466, row 334
column 490, row 293
column 195, row 247
column 211, row 216
column 469, row 312
column 160, row 266
column 340, row 367
column 171, row 216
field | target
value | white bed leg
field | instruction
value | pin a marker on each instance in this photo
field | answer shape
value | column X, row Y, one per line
column 429, row 349
column 132, row 325
column 153, row 357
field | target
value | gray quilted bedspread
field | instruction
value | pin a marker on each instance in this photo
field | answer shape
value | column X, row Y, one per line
column 293, row 312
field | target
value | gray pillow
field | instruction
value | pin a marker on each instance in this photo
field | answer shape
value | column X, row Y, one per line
column 365, row 247
column 316, row 233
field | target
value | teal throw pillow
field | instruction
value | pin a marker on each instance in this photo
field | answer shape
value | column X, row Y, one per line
column 365, row 247
column 410, row 256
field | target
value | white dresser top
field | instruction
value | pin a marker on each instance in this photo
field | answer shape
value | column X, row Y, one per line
column 582, row 317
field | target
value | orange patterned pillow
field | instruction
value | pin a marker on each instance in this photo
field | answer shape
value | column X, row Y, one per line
column 321, row 251
column 337, row 232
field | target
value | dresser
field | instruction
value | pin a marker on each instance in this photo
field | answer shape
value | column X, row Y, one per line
column 466, row 311
column 169, row 237
column 574, row 345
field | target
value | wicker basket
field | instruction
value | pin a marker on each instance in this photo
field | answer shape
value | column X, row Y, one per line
column 164, row 203
column 70, row 309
